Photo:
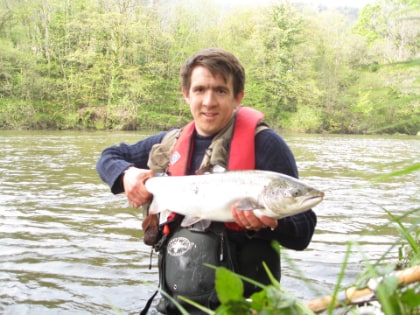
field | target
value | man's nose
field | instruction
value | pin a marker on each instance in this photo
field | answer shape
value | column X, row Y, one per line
column 209, row 98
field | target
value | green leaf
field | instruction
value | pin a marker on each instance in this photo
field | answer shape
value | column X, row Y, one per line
column 229, row 286
column 234, row 308
column 411, row 298
column 259, row 299
column 386, row 293
column 404, row 232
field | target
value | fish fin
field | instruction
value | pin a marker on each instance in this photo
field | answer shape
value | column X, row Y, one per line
column 247, row 204
column 154, row 207
column 187, row 221
column 201, row 226
column 260, row 212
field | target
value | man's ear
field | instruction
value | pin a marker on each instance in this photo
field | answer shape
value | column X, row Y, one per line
column 186, row 96
column 239, row 98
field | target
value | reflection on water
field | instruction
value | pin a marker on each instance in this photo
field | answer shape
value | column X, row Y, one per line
column 68, row 246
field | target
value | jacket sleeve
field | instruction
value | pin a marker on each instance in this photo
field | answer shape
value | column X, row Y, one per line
column 273, row 154
column 115, row 160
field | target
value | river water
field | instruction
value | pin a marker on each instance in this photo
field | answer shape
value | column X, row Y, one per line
column 68, row 246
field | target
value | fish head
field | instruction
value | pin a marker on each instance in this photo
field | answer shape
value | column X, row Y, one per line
column 291, row 199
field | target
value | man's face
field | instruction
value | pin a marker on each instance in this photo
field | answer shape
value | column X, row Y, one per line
column 211, row 101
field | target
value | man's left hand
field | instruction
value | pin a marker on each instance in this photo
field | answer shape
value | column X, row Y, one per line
column 248, row 220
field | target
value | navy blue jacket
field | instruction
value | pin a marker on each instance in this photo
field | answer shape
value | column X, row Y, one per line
column 271, row 153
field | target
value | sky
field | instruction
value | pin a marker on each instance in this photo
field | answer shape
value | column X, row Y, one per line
column 330, row 3
column 347, row 3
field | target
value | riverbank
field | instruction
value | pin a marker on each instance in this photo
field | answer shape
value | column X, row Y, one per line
column 26, row 117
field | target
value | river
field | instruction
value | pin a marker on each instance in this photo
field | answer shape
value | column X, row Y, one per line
column 68, row 246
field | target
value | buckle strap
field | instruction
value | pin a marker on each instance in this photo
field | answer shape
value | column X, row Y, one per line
column 149, row 302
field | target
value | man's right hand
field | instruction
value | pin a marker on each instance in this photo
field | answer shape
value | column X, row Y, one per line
column 133, row 181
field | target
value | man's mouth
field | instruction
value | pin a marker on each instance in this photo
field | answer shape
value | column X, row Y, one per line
column 209, row 115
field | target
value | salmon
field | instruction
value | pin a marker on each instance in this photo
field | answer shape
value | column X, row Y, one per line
column 211, row 196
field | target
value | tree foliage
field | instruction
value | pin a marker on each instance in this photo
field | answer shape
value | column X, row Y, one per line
column 115, row 63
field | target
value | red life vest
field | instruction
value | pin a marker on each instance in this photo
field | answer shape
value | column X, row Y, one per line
column 242, row 147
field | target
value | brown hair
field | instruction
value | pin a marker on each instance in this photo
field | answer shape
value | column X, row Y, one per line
column 218, row 62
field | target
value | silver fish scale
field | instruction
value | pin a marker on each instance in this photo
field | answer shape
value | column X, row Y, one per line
column 211, row 196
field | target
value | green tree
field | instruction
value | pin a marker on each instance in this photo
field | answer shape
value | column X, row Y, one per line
column 272, row 74
column 392, row 27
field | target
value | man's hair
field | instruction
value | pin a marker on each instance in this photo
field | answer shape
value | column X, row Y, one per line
column 218, row 62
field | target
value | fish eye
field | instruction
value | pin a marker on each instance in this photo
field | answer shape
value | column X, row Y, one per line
column 295, row 192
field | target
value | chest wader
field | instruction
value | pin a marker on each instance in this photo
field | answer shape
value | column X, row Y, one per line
column 184, row 259
column 184, row 254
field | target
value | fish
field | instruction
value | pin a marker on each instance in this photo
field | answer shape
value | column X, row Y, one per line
column 211, row 196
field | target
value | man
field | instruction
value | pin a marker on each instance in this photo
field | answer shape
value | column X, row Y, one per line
column 223, row 134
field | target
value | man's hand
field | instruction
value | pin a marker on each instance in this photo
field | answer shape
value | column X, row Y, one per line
column 133, row 181
column 248, row 220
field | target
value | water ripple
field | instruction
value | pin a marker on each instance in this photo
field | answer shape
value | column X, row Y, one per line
column 71, row 247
